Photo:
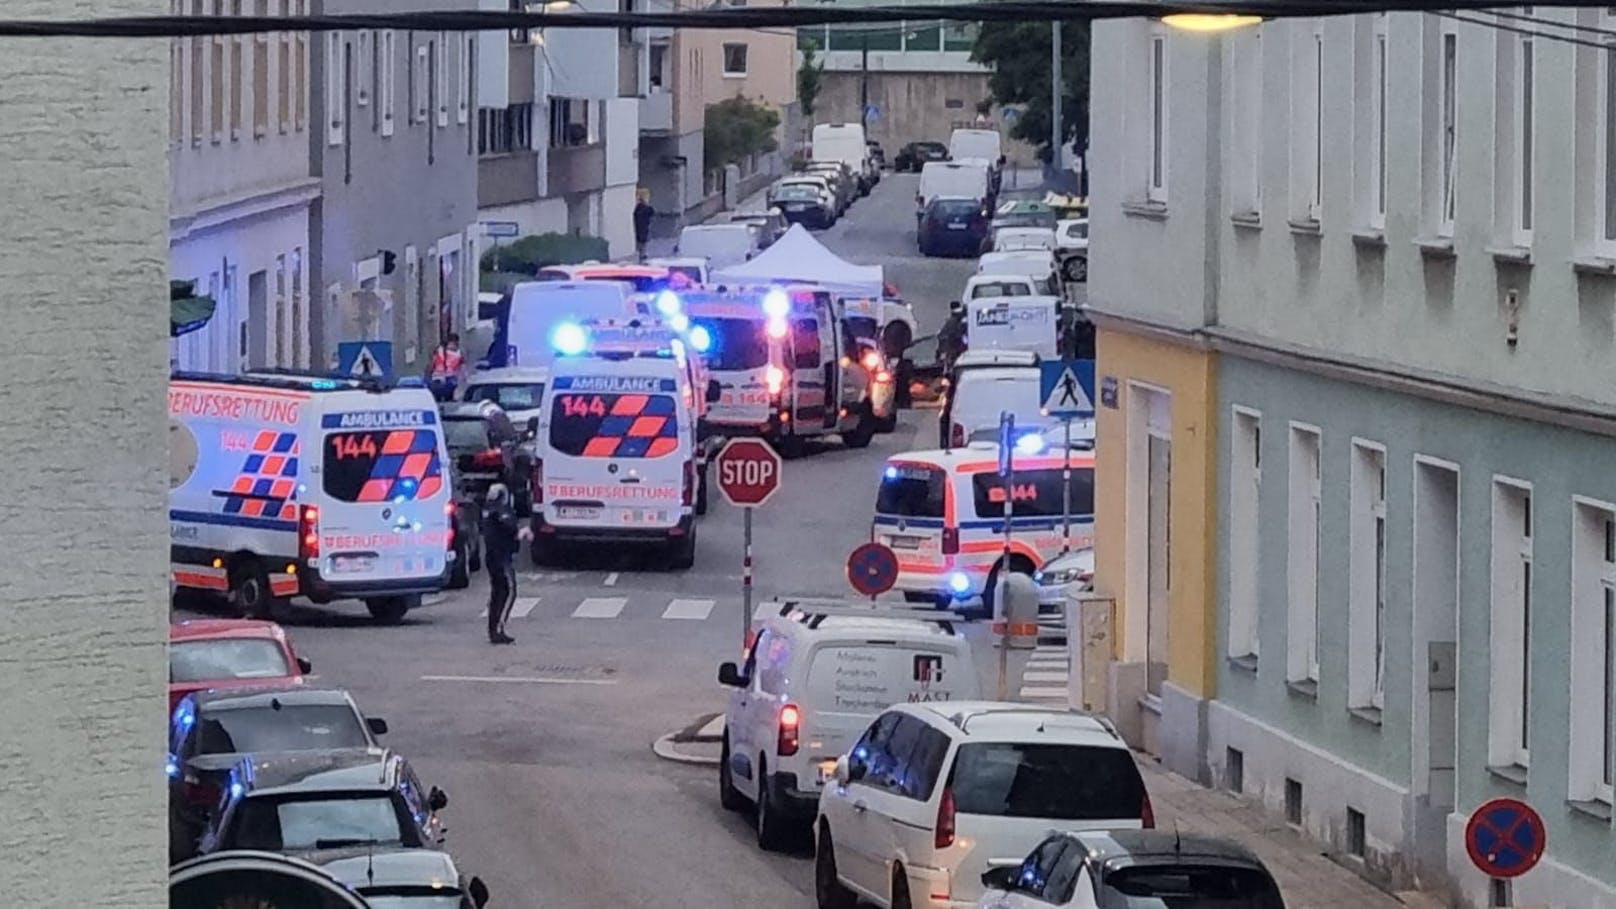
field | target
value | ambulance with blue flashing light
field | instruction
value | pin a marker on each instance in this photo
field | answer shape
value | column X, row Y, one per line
column 619, row 458
column 783, row 367
column 287, row 485
column 645, row 279
column 942, row 513
column 532, row 312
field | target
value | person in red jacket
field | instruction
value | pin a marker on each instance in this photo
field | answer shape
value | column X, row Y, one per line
column 448, row 363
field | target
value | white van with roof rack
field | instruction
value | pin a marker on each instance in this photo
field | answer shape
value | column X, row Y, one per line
column 288, row 484
column 815, row 673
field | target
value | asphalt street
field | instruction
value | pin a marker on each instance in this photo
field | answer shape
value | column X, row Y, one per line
column 544, row 747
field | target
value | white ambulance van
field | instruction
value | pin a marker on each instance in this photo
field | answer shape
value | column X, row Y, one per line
column 534, row 310
column 618, row 456
column 942, row 512
column 284, row 485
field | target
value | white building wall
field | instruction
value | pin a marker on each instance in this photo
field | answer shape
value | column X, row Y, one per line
column 83, row 275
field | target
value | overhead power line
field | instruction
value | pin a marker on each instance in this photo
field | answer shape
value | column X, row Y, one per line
column 726, row 17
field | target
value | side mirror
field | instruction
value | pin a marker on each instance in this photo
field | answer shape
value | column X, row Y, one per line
column 533, row 427
column 841, row 772
column 304, row 666
column 730, row 674
column 437, row 800
column 1001, row 878
column 377, row 725
column 478, row 891
column 715, row 392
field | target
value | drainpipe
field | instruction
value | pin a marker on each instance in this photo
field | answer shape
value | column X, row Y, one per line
column 1212, row 214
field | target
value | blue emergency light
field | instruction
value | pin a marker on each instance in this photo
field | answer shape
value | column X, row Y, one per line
column 776, row 304
column 667, row 303
column 569, row 339
column 959, row 584
column 679, row 321
column 700, row 338
column 1030, row 444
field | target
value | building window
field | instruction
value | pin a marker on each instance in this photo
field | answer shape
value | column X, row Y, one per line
column 1593, row 652
column 283, row 74
column 734, row 60
column 1524, row 140
column 1245, row 483
column 657, row 65
column 468, row 46
column 300, row 319
column 1378, row 93
column 335, row 82
column 199, row 76
column 176, row 88
column 364, row 67
column 1247, row 132
column 283, row 319
column 504, row 130
column 1307, row 112
column 420, row 83
column 1450, row 125
column 1303, row 535
column 1605, row 181
column 387, row 90
column 440, row 80
column 1511, row 631
column 1156, row 189
column 300, row 69
column 237, row 75
column 260, row 75
column 1366, row 586
column 569, row 122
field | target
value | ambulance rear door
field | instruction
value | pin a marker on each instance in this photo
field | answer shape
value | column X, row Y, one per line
column 615, row 453
column 383, row 508
column 738, row 357
column 816, row 370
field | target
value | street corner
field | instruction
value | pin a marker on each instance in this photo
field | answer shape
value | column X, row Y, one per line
column 699, row 743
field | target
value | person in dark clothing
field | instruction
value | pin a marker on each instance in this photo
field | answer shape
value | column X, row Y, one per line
column 503, row 534
column 643, row 213
column 951, row 337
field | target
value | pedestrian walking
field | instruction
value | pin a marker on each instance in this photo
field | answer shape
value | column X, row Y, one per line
column 448, row 363
column 643, row 213
column 951, row 338
column 503, row 534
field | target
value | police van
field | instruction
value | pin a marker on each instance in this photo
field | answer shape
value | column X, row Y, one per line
column 942, row 513
column 619, row 459
column 289, row 485
column 783, row 367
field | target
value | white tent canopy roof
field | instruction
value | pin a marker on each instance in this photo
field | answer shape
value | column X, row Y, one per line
column 798, row 256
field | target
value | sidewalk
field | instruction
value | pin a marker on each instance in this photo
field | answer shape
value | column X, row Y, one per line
column 1308, row 879
column 659, row 246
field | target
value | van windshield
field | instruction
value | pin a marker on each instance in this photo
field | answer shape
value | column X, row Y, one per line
column 1037, row 493
column 1022, row 288
column 912, row 491
column 1189, row 886
column 1057, row 782
column 376, row 465
column 604, row 425
column 737, row 344
column 982, row 394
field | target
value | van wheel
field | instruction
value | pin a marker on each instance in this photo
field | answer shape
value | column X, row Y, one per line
column 249, row 591
column 460, row 574
column 860, row 435
column 829, row 892
column 728, row 796
column 900, row 889
column 769, row 832
column 682, row 551
column 701, row 492
column 390, row 610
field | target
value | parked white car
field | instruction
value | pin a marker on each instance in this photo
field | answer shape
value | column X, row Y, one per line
column 1072, row 248
column 1010, row 239
column 934, row 795
column 722, row 245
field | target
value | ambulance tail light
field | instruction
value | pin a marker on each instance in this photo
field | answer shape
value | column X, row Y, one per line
column 453, row 512
column 950, row 541
column 538, row 482
column 775, row 378
column 790, row 726
column 872, row 361
column 944, row 836
column 308, row 533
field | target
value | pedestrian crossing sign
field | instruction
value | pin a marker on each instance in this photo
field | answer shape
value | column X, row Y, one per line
column 365, row 359
column 1068, row 388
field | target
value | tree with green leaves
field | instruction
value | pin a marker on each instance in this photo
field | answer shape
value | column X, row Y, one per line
column 736, row 129
column 1019, row 53
column 809, row 76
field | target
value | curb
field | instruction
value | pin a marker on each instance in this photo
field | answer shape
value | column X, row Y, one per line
column 663, row 748
column 699, row 732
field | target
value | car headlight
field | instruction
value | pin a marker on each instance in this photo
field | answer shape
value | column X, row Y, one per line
column 1056, row 578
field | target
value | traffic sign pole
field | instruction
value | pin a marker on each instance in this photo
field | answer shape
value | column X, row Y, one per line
column 1066, row 492
column 1007, row 472
column 746, row 574
column 748, row 476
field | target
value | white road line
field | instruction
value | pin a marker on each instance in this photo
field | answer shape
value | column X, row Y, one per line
column 523, row 606
column 529, row 680
column 1045, row 676
column 1050, row 651
column 599, row 608
column 611, row 579
column 714, row 727
column 1048, row 664
column 1042, row 691
column 693, row 610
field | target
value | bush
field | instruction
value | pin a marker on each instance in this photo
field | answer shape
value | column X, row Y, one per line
column 736, row 129
column 531, row 253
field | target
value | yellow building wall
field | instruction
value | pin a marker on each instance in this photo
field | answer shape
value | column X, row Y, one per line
column 1190, row 375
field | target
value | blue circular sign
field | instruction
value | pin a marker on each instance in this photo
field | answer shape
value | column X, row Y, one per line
column 872, row 569
column 1505, row 838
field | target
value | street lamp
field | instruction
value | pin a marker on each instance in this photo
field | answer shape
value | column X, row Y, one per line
column 1209, row 22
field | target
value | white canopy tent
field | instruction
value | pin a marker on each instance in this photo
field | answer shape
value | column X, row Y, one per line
column 798, row 256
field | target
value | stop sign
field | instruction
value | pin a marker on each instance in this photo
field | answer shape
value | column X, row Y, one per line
column 748, row 471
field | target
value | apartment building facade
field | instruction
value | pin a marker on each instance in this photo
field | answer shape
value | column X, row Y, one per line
column 393, row 143
column 241, row 189
column 673, row 116
column 558, row 132
column 1388, row 239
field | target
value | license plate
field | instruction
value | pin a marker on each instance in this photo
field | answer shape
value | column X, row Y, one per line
column 956, row 227
column 904, row 542
column 797, row 207
column 349, row 564
column 577, row 512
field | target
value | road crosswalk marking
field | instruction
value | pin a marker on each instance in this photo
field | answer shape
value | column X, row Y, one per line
column 523, row 606
column 1047, row 675
column 600, row 608
column 1043, row 676
column 694, row 610
column 1044, row 691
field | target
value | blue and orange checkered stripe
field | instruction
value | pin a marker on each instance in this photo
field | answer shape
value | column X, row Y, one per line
column 407, row 466
column 266, row 485
column 639, row 426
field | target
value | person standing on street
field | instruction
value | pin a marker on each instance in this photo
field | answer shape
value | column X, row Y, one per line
column 503, row 534
column 951, row 337
column 643, row 213
column 447, row 365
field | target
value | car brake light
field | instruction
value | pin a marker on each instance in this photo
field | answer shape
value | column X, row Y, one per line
column 883, row 376
column 950, row 541
column 956, row 436
column 309, row 533
column 945, row 820
column 493, row 457
column 1147, row 814
column 790, row 725
column 538, row 482
column 689, row 496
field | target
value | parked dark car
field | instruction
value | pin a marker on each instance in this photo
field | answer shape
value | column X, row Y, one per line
column 801, row 204
column 912, row 157
column 952, row 226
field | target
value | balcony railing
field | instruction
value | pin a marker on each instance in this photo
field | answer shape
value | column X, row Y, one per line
column 509, row 178
column 656, row 112
column 577, row 169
